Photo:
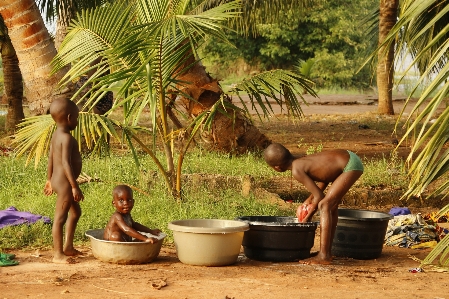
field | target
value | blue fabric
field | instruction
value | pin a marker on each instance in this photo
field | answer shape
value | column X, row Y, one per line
column 396, row 211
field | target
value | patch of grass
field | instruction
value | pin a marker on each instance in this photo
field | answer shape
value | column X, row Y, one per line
column 385, row 172
column 22, row 187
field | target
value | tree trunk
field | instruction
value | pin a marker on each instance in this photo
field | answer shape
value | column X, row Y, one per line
column 13, row 87
column 233, row 132
column 34, row 49
column 385, row 64
column 64, row 17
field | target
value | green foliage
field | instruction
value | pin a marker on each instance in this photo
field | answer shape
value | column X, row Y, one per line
column 140, row 51
column 333, row 33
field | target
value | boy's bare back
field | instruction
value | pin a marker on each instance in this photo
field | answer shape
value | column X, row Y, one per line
column 323, row 167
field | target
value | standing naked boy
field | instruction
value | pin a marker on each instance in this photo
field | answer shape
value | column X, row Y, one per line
column 64, row 167
column 340, row 167
column 121, row 227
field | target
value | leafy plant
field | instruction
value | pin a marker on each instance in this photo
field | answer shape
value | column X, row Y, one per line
column 147, row 46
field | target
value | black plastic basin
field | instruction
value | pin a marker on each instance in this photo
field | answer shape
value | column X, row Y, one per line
column 360, row 234
column 277, row 239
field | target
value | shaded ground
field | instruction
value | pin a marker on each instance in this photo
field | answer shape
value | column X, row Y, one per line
column 334, row 125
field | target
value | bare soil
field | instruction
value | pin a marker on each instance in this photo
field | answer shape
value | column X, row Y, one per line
column 333, row 122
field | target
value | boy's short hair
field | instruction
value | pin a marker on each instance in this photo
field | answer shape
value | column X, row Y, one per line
column 122, row 188
column 61, row 106
column 276, row 154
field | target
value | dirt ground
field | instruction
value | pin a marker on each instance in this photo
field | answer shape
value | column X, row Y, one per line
column 333, row 122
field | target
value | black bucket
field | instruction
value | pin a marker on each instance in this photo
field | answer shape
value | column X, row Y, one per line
column 277, row 239
column 360, row 234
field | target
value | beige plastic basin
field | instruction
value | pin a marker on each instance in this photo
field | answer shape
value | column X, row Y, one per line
column 123, row 252
column 208, row 242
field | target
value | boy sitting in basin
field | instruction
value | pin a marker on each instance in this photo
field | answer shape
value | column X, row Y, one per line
column 121, row 227
column 340, row 167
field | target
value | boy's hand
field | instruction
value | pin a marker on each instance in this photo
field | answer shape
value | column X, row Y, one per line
column 156, row 232
column 48, row 190
column 77, row 194
column 306, row 211
column 151, row 240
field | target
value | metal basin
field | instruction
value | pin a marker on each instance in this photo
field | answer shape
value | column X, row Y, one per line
column 208, row 242
column 277, row 239
column 123, row 252
column 360, row 233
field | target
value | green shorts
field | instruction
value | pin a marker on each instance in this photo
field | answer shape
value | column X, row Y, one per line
column 354, row 163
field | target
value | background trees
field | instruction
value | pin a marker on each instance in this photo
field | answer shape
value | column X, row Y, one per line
column 333, row 34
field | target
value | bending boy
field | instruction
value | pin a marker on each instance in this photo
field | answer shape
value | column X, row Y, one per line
column 340, row 167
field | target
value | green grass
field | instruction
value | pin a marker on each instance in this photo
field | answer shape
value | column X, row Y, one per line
column 22, row 187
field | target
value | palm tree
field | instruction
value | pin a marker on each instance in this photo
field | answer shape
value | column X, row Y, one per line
column 385, row 65
column 12, row 80
column 150, row 50
column 35, row 50
column 422, row 31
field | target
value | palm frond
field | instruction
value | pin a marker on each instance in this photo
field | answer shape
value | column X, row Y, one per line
column 33, row 137
column 284, row 87
column 34, row 134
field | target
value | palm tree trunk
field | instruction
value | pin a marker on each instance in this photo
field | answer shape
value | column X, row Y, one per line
column 231, row 132
column 13, row 88
column 64, row 17
column 34, row 49
column 385, row 64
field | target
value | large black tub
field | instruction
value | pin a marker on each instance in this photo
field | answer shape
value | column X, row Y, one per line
column 277, row 239
column 360, row 234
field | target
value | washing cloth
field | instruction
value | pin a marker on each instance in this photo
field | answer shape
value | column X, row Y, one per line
column 409, row 231
column 7, row 259
column 396, row 211
column 11, row 216
column 354, row 163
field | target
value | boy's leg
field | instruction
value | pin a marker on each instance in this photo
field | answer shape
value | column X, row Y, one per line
column 329, row 214
column 70, row 227
column 63, row 204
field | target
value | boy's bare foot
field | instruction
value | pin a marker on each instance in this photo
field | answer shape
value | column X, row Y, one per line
column 316, row 259
column 72, row 252
column 63, row 259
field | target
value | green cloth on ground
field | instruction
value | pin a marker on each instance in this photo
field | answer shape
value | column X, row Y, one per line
column 7, row 259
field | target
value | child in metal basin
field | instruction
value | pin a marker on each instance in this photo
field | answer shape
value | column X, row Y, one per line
column 340, row 167
column 121, row 227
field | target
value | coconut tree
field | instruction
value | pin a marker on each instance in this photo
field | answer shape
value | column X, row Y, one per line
column 422, row 31
column 13, row 86
column 150, row 49
column 388, row 11
column 35, row 50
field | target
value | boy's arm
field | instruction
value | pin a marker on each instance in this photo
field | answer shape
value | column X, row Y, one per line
column 322, row 187
column 66, row 145
column 48, row 190
column 143, row 228
column 130, row 231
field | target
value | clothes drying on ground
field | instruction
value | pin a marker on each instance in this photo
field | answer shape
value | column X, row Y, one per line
column 409, row 230
column 7, row 259
column 11, row 216
column 396, row 211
